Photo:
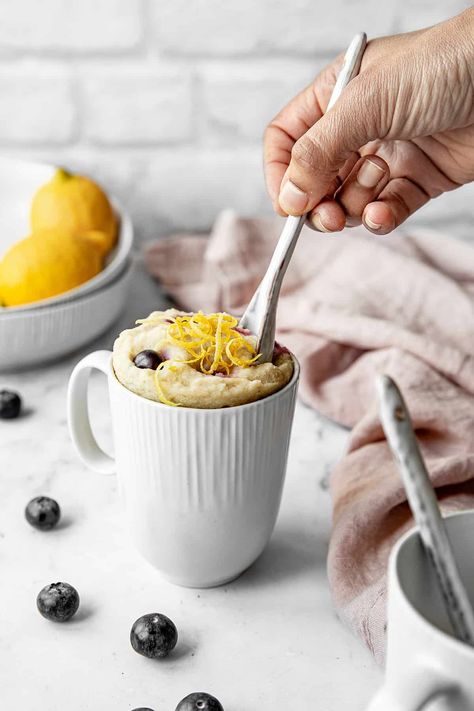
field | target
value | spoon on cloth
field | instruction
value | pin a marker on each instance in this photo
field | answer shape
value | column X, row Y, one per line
column 260, row 315
column 421, row 496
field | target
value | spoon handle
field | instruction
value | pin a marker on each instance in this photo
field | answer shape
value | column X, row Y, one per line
column 260, row 314
column 422, row 499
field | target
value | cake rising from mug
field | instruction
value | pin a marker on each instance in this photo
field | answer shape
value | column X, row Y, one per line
column 197, row 360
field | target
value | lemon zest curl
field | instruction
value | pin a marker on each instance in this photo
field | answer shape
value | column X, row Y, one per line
column 212, row 343
column 159, row 387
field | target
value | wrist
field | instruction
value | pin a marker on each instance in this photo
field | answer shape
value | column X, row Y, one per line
column 462, row 37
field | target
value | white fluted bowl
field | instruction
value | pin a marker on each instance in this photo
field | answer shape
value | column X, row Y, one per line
column 31, row 337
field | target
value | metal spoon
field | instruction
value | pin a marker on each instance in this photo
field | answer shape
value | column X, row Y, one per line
column 259, row 317
column 422, row 499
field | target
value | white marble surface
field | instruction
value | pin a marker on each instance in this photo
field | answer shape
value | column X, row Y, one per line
column 269, row 640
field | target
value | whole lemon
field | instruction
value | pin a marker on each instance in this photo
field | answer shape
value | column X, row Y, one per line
column 45, row 264
column 76, row 204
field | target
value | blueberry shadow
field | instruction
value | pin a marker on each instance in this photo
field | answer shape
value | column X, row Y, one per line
column 64, row 522
column 85, row 612
column 24, row 413
column 291, row 554
column 183, row 649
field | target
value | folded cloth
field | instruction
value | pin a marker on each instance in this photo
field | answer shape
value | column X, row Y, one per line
column 352, row 306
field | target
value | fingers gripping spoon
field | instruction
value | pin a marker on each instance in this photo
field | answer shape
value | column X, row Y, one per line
column 260, row 315
column 422, row 499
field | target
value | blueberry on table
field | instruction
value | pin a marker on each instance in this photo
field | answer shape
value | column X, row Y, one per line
column 199, row 701
column 10, row 405
column 147, row 359
column 153, row 636
column 58, row 602
column 43, row 513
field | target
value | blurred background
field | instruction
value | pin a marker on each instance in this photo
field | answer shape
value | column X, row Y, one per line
column 165, row 101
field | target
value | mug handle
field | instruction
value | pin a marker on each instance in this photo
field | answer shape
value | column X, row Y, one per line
column 417, row 693
column 78, row 414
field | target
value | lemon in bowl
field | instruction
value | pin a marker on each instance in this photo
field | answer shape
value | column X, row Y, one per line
column 76, row 204
column 47, row 263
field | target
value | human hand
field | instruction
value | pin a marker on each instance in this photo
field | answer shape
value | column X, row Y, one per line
column 401, row 133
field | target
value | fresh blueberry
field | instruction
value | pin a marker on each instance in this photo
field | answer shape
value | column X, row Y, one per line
column 10, row 404
column 43, row 513
column 58, row 602
column 199, row 701
column 153, row 635
column 147, row 359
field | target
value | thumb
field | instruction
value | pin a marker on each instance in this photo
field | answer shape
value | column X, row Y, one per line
column 321, row 152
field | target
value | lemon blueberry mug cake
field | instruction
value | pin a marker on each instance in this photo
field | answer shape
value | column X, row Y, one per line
column 197, row 360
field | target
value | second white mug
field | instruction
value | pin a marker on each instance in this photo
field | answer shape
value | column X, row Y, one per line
column 427, row 668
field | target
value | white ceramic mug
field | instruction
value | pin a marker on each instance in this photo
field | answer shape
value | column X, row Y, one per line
column 427, row 668
column 202, row 488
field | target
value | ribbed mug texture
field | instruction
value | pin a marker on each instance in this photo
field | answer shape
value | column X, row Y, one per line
column 202, row 488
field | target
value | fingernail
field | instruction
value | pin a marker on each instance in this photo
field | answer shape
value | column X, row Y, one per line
column 371, row 224
column 317, row 222
column 369, row 174
column 292, row 199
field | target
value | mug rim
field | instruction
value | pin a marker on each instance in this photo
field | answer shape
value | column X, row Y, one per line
column 279, row 393
column 395, row 580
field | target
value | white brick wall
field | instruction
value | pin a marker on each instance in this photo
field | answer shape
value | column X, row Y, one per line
column 37, row 104
column 299, row 27
column 240, row 99
column 165, row 101
column 71, row 26
column 129, row 105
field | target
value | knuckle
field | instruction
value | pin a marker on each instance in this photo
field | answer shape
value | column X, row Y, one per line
column 270, row 130
column 306, row 154
column 398, row 190
column 267, row 139
column 268, row 135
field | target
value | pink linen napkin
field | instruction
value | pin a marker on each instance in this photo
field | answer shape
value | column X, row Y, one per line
column 354, row 305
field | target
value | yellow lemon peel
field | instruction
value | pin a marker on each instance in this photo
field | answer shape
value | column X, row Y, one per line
column 212, row 342
column 159, row 388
